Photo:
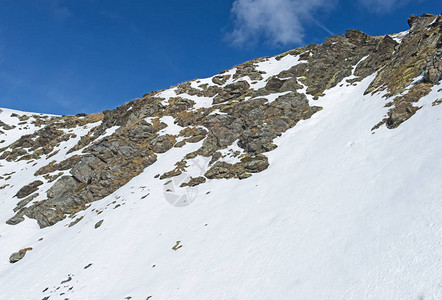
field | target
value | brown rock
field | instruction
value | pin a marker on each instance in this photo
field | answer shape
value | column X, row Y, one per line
column 15, row 257
column 28, row 189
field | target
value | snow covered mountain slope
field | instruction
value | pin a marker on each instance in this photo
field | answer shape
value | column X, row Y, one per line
column 316, row 174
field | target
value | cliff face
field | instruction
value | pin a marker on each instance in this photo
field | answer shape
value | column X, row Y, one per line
column 52, row 168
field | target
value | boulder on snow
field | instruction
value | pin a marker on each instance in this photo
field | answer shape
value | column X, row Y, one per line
column 16, row 256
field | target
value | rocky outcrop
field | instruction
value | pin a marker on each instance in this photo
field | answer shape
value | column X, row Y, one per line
column 240, row 170
column 418, row 22
column 241, row 120
column 409, row 58
column 61, row 166
column 335, row 59
column 418, row 53
column 25, row 201
column 233, row 91
column 5, row 126
column 45, row 140
column 194, row 181
column 433, row 69
column 248, row 69
column 220, row 79
column 28, row 189
column 402, row 106
column 377, row 58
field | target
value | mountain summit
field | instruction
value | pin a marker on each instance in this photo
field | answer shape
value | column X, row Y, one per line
column 314, row 174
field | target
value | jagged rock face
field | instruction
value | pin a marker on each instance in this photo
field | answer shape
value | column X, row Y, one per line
column 241, row 110
column 378, row 58
column 433, row 69
column 334, row 61
column 418, row 53
column 408, row 59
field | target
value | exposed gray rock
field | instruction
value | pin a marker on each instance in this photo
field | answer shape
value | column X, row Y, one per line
column 162, row 143
column 25, row 201
column 417, row 22
column 15, row 220
column 98, row 224
column 433, row 69
column 290, row 85
column 28, row 189
column 333, row 61
column 382, row 54
column 255, row 164
column 233, row 91
column 15, row 257
column 6, row 126
column 247, row 69
column 356, row 37
column 66, row 184
column 84, row 170
column 220, row 79
column 295, row 71
column 220, row 170
column 194, row 181
column 274, row 84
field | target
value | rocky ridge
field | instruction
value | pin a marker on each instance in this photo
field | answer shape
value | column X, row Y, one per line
column 232, row 119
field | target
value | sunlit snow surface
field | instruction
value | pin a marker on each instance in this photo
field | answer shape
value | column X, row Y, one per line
column 343, row 212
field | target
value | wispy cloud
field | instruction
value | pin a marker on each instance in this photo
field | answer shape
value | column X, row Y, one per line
column 62, row 12
column 110, row 15
column 58, row 9
column 115, row 17
column 382, row 6
column 280, row 22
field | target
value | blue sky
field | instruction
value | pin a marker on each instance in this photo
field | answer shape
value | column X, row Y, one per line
column 71, row 56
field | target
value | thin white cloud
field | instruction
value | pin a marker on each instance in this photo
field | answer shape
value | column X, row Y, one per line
column 57, row 9
column 280, row 22
column 61, row 12
column 382, row 6
column 110, row 15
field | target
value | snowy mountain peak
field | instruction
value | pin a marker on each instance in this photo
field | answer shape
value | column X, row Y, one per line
column 312, row 174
